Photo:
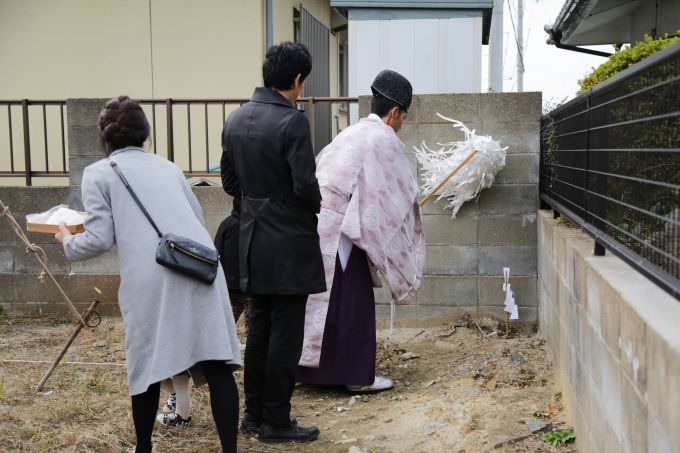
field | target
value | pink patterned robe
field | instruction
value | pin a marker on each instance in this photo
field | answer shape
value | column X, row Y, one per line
column 370, row 195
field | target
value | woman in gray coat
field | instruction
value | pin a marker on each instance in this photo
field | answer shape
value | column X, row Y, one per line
column 172, row 322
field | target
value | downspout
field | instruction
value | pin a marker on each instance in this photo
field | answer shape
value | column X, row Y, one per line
column 269, row 17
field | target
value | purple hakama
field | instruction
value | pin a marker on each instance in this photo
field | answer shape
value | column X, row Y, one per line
column 348, row 348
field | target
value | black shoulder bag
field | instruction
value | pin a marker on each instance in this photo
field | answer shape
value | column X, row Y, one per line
column 178, row 253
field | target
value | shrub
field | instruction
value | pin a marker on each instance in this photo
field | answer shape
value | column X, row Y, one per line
column 624, row 58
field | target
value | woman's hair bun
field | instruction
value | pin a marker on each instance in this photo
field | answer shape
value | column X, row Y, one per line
column 122, row 123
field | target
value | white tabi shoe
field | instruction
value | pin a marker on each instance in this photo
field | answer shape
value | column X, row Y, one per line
column 379, row 384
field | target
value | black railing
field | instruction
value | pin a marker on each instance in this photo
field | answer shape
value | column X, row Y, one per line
column 610, row 162
column 34, row 133
column 185, row 131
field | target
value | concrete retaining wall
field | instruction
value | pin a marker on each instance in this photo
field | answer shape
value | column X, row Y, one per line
column 615, row 342
column 465, row 256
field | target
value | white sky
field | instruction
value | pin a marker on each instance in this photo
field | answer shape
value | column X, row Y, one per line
column 553, row 71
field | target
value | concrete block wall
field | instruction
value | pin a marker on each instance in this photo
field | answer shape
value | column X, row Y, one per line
column 22, row 294
column 466, row 255
column 614, row 339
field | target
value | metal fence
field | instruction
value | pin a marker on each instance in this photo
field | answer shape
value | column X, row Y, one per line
column 34, row 137
column 610, row 162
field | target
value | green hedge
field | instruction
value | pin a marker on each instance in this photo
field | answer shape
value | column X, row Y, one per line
column 625, row 57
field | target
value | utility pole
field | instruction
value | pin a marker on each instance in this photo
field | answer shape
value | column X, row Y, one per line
column 520, row 46
column 496, row 48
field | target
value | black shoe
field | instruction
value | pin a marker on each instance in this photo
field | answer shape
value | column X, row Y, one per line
column 251, row 427
column 292, row 433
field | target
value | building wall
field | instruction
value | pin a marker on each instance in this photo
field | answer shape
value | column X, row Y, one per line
column 159, row 48
column 614, row 340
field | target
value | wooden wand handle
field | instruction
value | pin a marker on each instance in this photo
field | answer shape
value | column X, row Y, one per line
column 427, row 197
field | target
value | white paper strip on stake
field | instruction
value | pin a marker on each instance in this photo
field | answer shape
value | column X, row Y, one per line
column 508, row 296
column 514, row 314
column 506, row 277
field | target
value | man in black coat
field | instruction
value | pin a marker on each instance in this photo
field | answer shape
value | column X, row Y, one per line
column 268, row 163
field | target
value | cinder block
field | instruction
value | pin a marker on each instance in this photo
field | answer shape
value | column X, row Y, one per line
column 212, row 223
column 434, row 134
column 520, row 137
column 516, row 106
column 6, row 287
column 83, row 142
column 519, row 199
column 442, row 314
column 451, row 260
column 663, row 387
column 401, row 312
column 6, row 231
column 463, row 107
column 457, row 291
column 77, row 165
column 524, row 289
column 520, row 258
column 545, row 233
column 22, row 200
column 7, row 258
column 213, row 200
column 507, row 230
column 443, row 230
column 83, row 112
column 75, row 198
column 519, row 169
column 441, row 207
column 382, row 295
column 26, row 263
column 527, row 315
column 410, row 136
column 106, row 264
column 80, row 288
column 634, row 417
column 633, row 346
column 610, row 320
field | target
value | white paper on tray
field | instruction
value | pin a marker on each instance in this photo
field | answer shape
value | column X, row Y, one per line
column 57, row 215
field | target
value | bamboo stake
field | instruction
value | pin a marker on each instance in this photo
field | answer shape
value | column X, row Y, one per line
column 507, row 324
column 67, row 345
column 427, row 197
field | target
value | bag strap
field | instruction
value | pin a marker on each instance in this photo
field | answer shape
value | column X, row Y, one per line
column 134, row 197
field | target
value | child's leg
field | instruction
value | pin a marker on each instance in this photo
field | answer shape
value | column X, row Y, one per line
column 182, row 393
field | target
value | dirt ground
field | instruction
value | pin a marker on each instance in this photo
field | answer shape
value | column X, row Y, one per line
column 456, row 391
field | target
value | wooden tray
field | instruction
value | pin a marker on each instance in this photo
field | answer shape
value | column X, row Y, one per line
column 54, row 229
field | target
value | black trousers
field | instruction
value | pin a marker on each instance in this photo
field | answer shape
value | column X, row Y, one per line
column 273, row 349
column 223, row 402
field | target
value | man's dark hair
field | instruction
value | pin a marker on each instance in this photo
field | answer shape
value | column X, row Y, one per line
column 381, row 106
column 283, row 63
column 122, row 123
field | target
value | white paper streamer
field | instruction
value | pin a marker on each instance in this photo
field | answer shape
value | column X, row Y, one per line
column 477, row 174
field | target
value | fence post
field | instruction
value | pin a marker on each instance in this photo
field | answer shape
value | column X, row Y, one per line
column 310, row 117
column 27, row 141
column 168, row 116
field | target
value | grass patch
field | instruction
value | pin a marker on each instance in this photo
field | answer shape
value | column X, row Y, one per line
column 559, row 437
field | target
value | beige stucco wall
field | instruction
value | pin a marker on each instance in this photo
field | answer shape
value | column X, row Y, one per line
column 92, row 48
column 61, row 49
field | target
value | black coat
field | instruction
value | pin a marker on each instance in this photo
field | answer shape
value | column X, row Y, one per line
column 226, row 243
column 268, row 163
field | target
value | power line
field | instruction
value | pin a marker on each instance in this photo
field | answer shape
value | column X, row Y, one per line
column 512, row 20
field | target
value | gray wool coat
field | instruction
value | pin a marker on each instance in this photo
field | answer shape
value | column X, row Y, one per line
column 171, row 322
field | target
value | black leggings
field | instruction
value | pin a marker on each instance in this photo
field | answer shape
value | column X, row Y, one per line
column 223, row 402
